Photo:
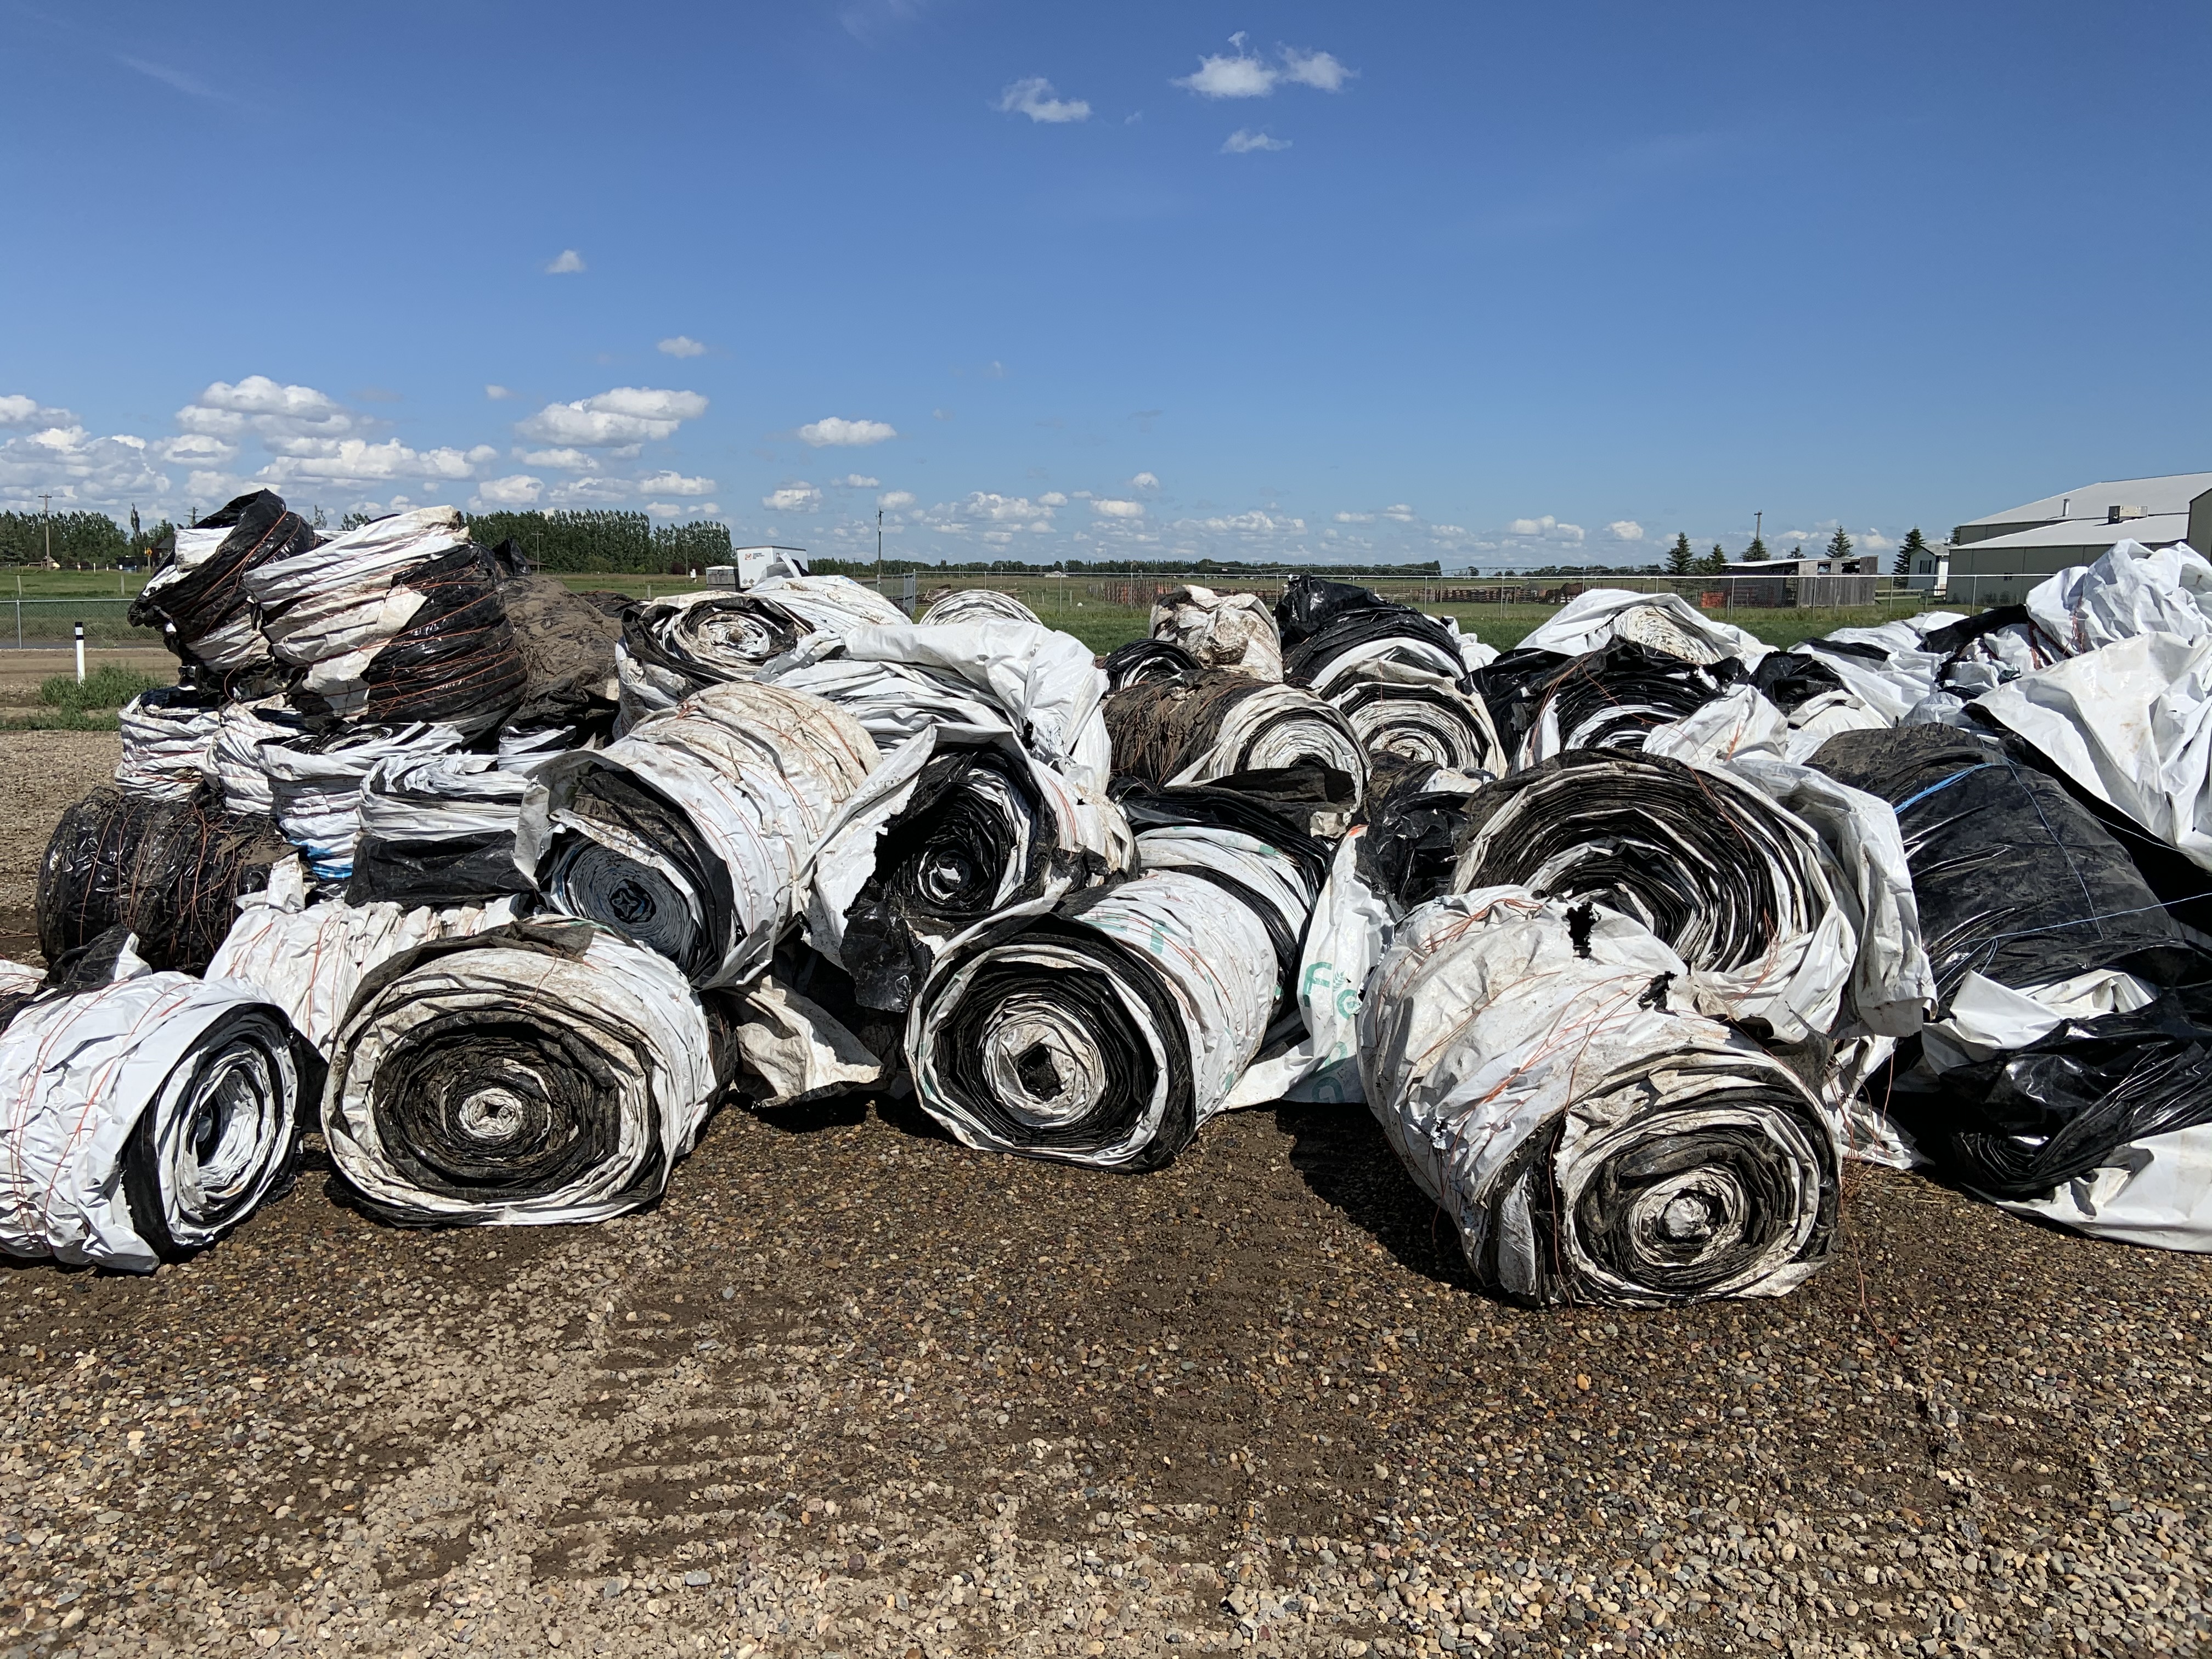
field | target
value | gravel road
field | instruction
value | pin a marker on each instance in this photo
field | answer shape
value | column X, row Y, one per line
column 852, row 1389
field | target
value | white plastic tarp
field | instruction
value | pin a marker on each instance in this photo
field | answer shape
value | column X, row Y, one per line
column 168, row 747
column 336, row 603
column 2130, row 591
column 2132, row 723
column 1236, row 631
column 2157, row 1191
column 1661, row 621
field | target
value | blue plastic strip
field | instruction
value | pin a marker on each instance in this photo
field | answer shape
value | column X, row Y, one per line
column 1935, row 788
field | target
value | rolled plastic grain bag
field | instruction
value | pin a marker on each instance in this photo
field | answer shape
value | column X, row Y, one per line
column 1107, row 1032
column 438, row 829
column 1231, row 631
column 1592, row 1140
column 315, row 783
column 968, row 604
column 168, row 741
column 536, row 1074
column 141, row 1119
column 693, row 835
column 1202, row 729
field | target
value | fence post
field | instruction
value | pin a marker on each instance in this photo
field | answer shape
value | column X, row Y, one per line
column 80, row 653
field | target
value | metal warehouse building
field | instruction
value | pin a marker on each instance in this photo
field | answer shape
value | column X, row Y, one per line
column 2077, row 527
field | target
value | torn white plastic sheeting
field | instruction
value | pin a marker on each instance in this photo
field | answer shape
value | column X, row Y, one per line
column 1903, row 673
column 315, row 785
column 1472, row 652
column 975, row 604
column 243, row 729
column 2157, row 1191
column 1345, row 938
column 1739, row 721
column 836, row 605
column 169, row 743
column 1103, row 1037
column 19, row 979
column 1592, row 1140
column 1984, row 1019
column 2132, row 723
column 1236, row 631
column 309, row 959
column 1044, row 684
column 681, row 643
column 337, row 600
column 2130, row 591
column 537, row 1075
column 141, row 1119
column 1077, row 840
column 1816, row 719
column 797, row 1050
column 1663, row 621
column 695, row 834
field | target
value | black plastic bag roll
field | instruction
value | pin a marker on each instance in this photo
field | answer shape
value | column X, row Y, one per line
column 1323, row 621
column 170, row 871
column 455, row 663
column 1593, row 1139
column 944, row 834
column 197, row 599
column 1144, row 660
column 1712, row 866
column 534, row 1074
column 1396, row 675
column 1544, row 704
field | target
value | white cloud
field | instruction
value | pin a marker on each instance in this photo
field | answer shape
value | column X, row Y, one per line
column 1451, row 532
column 79, row 470
column 191, row 85
column 29, row 411
column 682, row 345
column 497, row 393
column 1398, row 513
column 1112, row 509
column 675, row 484
column 197, row 449
column 1255, row 523
column 852, row 434
column 1319, row 69
column 891, row 500
column 1241, row 142
column 1231, row 76
column 793, row 498
column 940, row 414
column 856, row 481
column 1033, row 97
column 1355, row 517
column 588, row 492
column 1145, row 481
column 260, row 404
column 564, row 460
column 1002, row 513
column 357, row 460
column 1547, row 527
column 1243, row 75
column 675, row 510
column 626, row 415
column 516, row 489
column 567, row 264
column 1624, row 530
column 1052, row 498
column 1873, row 541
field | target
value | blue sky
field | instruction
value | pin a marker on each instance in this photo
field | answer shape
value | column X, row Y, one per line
column 1495, row 284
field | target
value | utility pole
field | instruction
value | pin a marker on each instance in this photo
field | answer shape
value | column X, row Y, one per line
column 1757, row 526
column 46, row 508
column 879, row 550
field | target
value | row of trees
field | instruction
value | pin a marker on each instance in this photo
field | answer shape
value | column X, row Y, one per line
column 1683, row 561
column 607, row 541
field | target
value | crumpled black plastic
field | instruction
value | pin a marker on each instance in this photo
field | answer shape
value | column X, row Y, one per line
column 1414, row 833
column 1321, row 620
column 456, row 662
column 1609, row 698
column 168, row 871
column 1141, row 660
column 567, row 646
column 1789, row 680
column 262, row 528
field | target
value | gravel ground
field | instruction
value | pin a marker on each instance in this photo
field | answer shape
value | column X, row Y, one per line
column 40, row 773
column 852, row 1389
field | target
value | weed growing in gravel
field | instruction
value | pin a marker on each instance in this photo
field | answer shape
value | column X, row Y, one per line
column 108, row 686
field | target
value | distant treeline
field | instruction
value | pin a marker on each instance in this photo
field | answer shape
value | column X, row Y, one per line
column 78, row 538
column 1584, row 570
column 607, row 541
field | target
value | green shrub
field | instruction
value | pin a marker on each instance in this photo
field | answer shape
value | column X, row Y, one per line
column 108, row 686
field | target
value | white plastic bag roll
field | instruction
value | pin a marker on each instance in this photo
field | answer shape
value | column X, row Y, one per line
column 538, row 1074
column 141, row 1119
column 695, row 834
column 1235, row 631
column 1592, row 1140
column 168, row 742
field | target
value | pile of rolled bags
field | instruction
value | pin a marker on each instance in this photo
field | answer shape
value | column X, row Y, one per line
column 1627, row 939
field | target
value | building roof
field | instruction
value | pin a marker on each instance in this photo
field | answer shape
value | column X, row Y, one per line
column 2170, row 493
column 2160, row 530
